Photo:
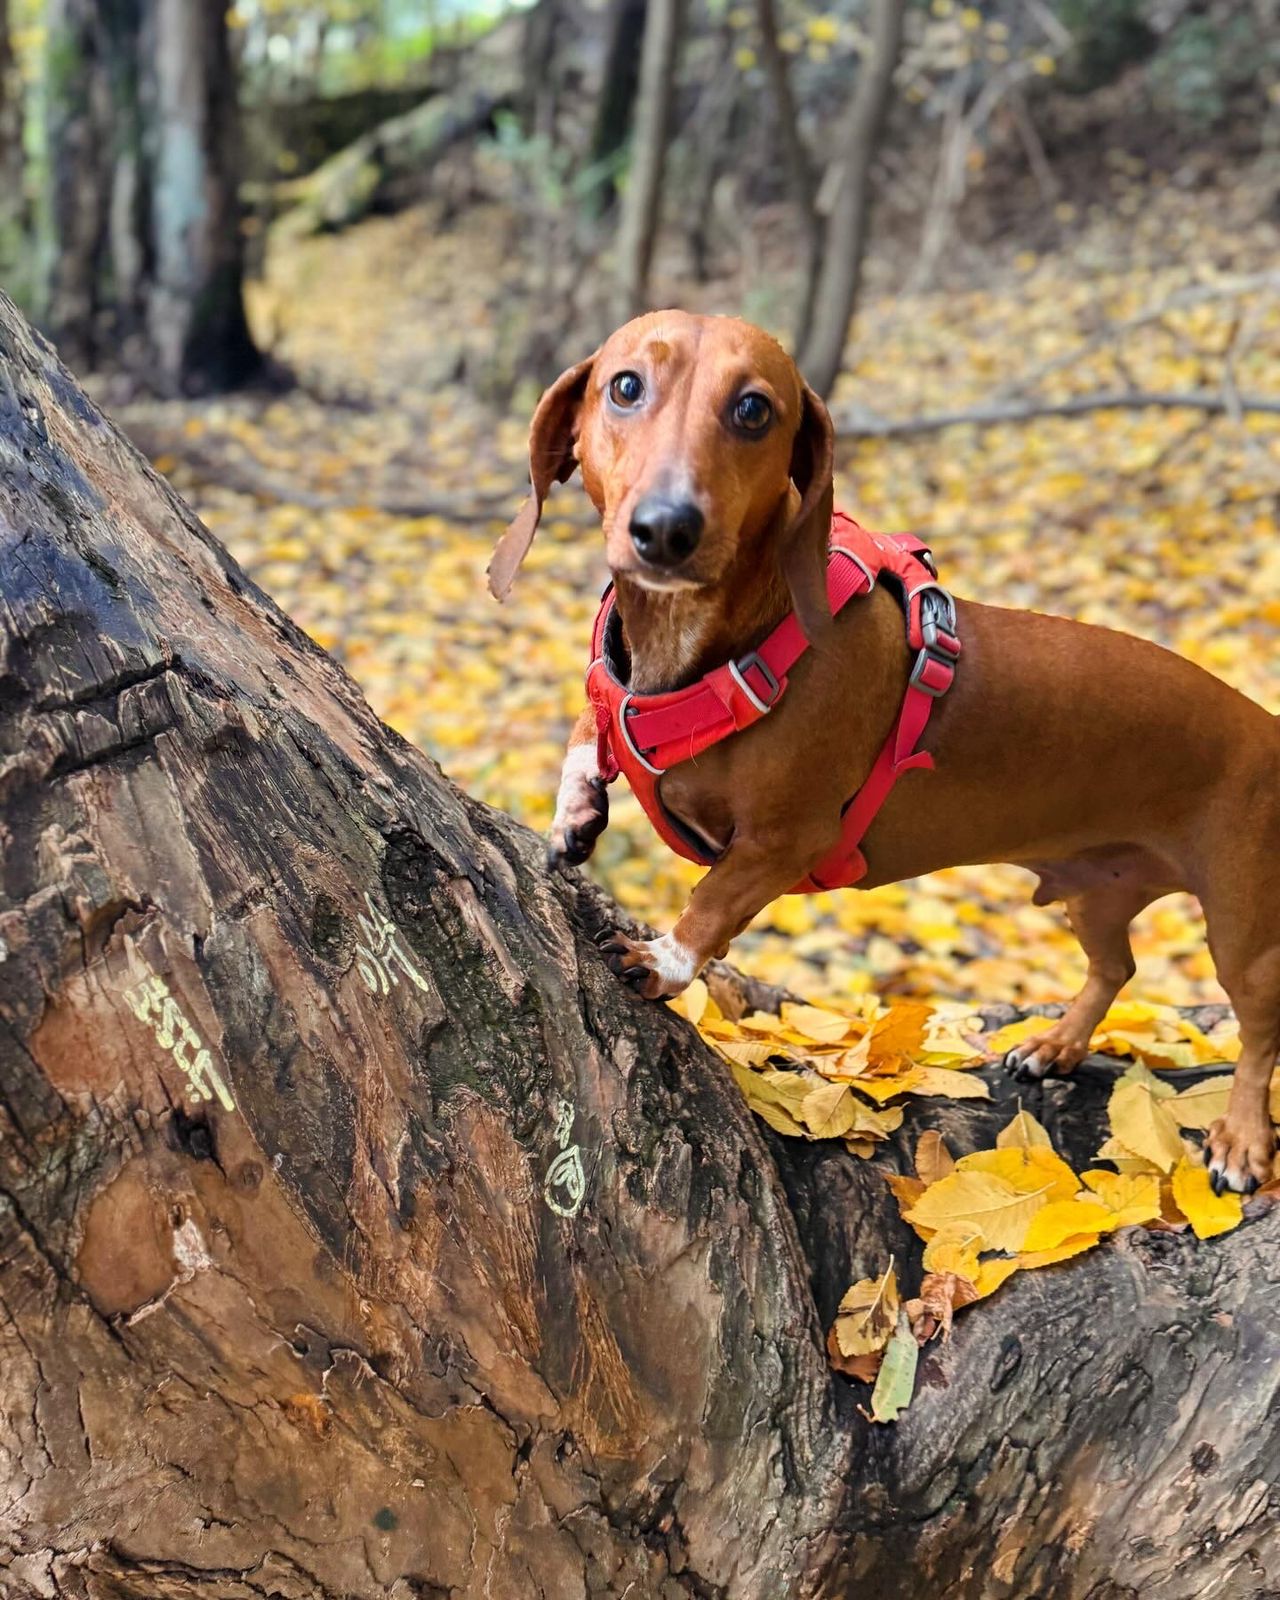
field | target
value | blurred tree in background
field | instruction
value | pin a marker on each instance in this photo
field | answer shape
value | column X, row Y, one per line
column 140, row 241
column 607, row 129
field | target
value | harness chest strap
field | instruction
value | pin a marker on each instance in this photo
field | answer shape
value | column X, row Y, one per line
column 645, row 735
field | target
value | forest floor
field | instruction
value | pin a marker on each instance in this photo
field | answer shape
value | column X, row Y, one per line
column 367, row 501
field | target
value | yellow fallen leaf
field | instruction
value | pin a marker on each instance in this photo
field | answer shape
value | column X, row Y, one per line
column 1065, row 1219
column 828, row 1111
column 905, row 1190
column 1026, row 1167
column 1124, row 1158
column 983, row 1201
column 817, row 1023
column 746, row 1052
column 1209, row 1214
column 901, row 1032
column 885, row 1088
column 767, row 1102
column 997, row 1270
column 1074, row 1246
column 875, row 1124
column 1142, row 1122
column 1135, row 1196
column 946, row 1081
column 1023, row 1132
column 954, row 1249
column 991, row 1274
column 1201, row 1104
column 1012, row 1033
column 692, row 1003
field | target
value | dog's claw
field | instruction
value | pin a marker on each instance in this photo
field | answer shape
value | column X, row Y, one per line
column 1026, row 1065
column 1217, row 1180
column 1251, row 1184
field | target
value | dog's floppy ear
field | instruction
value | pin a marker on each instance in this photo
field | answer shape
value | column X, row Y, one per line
column 551, row 460
column 804, row 543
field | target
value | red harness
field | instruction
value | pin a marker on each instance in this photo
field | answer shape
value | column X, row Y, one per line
column 645, row 735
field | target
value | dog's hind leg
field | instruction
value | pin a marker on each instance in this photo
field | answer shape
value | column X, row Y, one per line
column 1100, row 918
column 1242, row 1143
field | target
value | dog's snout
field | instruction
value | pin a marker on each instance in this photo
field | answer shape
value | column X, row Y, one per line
column 665, row 531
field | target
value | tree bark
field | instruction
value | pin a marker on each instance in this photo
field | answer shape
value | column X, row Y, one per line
column 642, row 198
column 839, row 268
column 361, row 1236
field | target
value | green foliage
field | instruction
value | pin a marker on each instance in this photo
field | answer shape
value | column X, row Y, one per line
column 1108, row 36
column 1212, row 60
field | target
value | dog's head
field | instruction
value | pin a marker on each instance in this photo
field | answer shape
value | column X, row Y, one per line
column 701, row 447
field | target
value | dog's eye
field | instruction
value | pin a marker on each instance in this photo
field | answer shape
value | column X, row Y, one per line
column 626, row 389
column 752, row 413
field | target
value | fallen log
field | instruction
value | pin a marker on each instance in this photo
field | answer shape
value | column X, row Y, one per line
column 398, row 154
column 361, row 1236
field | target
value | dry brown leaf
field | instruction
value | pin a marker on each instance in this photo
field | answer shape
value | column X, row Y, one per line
column 933, row 1159
column 867, row 1315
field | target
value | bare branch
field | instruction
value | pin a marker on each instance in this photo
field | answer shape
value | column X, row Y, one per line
column 994, row 414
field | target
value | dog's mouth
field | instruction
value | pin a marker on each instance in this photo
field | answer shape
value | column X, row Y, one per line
column 659, row 580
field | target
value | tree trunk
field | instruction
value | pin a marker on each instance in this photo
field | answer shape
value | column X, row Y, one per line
column 142, row 247
column 195, row 314
column 799, row 167
column 361, row 1236
column 642, row 199
column 12, row 205
column 74, row 203
column 616, row 99
column 839, row 268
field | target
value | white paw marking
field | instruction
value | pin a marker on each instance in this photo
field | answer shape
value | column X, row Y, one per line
column 673, row 961
column 580, row 767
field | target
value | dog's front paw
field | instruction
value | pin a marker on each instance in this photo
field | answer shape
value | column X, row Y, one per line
column 655, row 968
column 1055, row 1051
column 1240, row 1155
column 582, row 814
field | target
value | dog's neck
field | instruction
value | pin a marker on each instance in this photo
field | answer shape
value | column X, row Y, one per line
column 675, row 636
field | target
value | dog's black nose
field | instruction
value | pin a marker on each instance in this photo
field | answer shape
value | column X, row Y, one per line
column 665, row 531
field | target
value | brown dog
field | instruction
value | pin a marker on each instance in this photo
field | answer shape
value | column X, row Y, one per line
column 1113, row 769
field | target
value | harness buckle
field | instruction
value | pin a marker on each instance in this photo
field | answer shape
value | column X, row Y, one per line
column 623, row 712
column 738, row 670
column 934, row 669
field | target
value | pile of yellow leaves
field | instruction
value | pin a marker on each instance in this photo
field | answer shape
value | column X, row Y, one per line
column 814, row 1072
column 839, row 1068
column 818, row 1072
column 992, row 1213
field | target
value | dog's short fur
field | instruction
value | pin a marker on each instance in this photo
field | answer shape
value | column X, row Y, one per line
column 1113, row 769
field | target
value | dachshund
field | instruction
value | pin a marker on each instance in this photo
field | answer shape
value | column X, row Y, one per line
column 1113, row 769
